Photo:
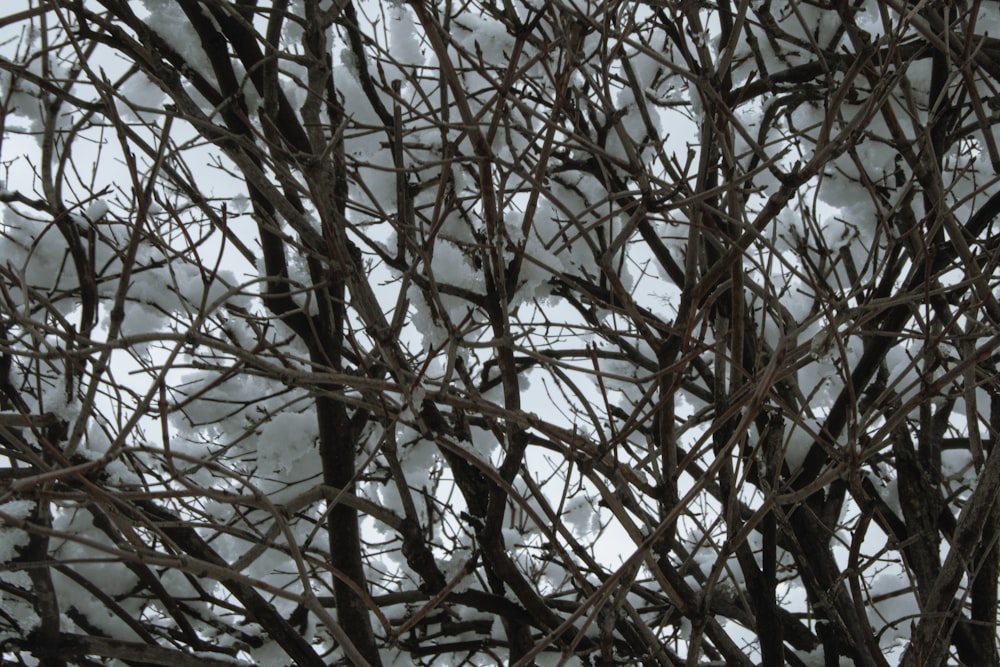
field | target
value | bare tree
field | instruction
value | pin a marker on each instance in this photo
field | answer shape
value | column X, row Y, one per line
column 563, row 332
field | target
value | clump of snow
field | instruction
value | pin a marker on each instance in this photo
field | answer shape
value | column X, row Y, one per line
column 479, row 34
column 423, row 321
column 454, row 566
column 18, row 509
column 239, row 204
column 171, row 24
column 95, row 446
column 886, row 483
column 284, row 441
column 452, row 266
column 417, row 455
column 582, row 515
column 54, row 400
column 817, row 658
column 36, row 250
column 892, row 609
column 404, row 43
column 958, row 464
column 26, row 100
column 145, row 92
column 495, row 393
column 17, row 607
column 801, row 436
column 631, row 131
column 96, row 566
column 483, row 443
column 11, row 539
column 96, row 210
column 214, row 413
column 540, row 264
